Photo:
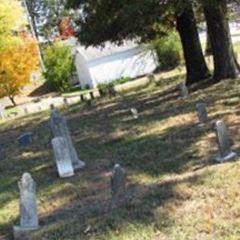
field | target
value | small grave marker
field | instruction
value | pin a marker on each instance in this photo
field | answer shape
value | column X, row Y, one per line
column 202, row 112
column 225, row 152
column 134, row 112
column 183, row 90
column 25, row 139
column 118, row 181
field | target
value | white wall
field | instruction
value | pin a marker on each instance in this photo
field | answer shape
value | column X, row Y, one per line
column 131, row 63
column 83, row 72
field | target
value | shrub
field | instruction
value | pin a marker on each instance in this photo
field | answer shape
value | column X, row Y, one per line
column 59, row 63
column 108, row 88
column 168, row 50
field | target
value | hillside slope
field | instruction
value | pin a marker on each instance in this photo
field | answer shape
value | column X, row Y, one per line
column 177, row 191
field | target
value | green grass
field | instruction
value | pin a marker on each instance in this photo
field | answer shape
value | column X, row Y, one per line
column 177, row 190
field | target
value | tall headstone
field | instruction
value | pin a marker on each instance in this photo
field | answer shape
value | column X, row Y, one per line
column 118, row 181
column 183, row 90
column 202, row 112
column 225, row 152
column 63, row 157
column 59, row 129
column 28, row 207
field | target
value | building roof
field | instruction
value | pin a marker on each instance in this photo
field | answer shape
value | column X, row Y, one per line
column 93, row 53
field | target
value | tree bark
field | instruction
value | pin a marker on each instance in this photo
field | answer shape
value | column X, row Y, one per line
column 225, row 63
column 13, row 100
column 194, row 59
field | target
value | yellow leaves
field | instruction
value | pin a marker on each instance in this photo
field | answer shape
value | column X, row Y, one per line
column 17, row 61
column 12, row 19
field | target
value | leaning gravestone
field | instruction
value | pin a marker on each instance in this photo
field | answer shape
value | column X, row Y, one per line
column 183, row 90
column 202, row 112
column 225, row 152
column 59, row 129
column 118, row 181
column 28, row 207
column 63, row 157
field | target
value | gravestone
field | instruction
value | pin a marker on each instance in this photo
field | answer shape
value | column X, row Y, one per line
column 183, row 90
column 25, row 139
column 65, row 101
column 151, row 77
column 26, row 110
column 28, row 207
column 225, row 152
column 92, row 95
column 202, row 112
column 118, row 181
column 52, row 106
column 59, row 129
column 82, row 98
column 63, row 157
column 2, row 112
column 134, row 112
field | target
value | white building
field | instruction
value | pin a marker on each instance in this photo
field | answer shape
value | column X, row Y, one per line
column 103, row 65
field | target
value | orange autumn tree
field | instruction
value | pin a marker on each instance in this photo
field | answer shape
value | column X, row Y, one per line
column 17, row 62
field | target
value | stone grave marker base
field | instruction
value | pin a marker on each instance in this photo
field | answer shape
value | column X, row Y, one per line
column 20, row 233
column 229, row 157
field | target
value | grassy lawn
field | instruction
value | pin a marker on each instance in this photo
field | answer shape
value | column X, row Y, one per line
column 177, row 192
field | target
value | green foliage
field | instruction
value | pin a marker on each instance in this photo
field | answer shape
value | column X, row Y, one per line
column 106, row 88
column 59, row 65
column 169, row 51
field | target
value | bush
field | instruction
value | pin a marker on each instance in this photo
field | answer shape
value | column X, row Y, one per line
column 59, row 63
column 168, row 50
column 108, row 88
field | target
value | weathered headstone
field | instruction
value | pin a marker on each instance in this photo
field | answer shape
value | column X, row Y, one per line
column 151, row 77
column 26, row 110
column 82, row 98
column 25, row 139
column 52, row 106
column 65, row 101
column 183, row 90
column 59, row 129
column 28, row 207
column 63, row 157
column 202, row 112
column 225, row 152
column 118, row 181
column 134, row 112
column 92, row 95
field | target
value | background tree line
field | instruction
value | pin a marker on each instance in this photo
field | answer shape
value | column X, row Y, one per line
column 107, row 20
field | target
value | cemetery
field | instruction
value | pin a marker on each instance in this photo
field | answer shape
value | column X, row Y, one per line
column 171, row 171
column 119, row 120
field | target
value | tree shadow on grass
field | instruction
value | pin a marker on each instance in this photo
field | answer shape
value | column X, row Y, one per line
column 103, row 137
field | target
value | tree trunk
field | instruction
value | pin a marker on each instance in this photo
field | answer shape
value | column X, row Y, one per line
column 225, row 64
column 194, row 59
column 13, row 100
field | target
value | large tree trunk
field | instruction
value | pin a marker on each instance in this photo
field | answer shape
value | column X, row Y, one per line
column 225, row 64
column 194, row 59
